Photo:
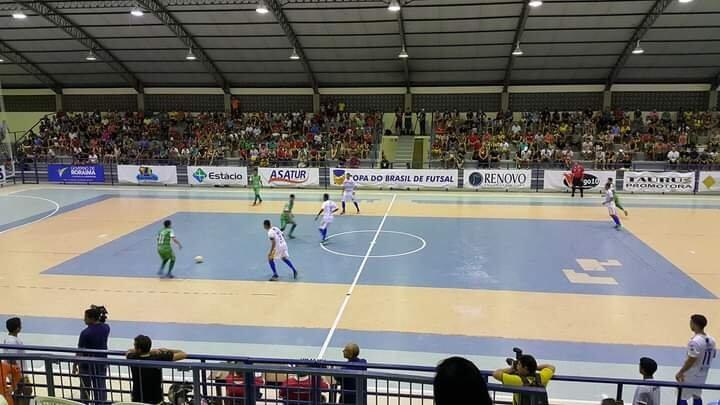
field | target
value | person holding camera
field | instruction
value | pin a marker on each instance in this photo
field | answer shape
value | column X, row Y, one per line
column 525, row 371
column 94, row 337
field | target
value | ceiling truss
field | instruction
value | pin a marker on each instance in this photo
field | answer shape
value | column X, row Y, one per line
column 17, row 58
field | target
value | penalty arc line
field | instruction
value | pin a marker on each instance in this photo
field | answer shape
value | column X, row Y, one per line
column 348, row 295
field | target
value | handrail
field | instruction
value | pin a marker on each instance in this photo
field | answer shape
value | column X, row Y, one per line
column 25, row 133
column 261, row 363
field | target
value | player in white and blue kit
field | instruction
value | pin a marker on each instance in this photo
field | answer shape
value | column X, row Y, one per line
column 278, row 249
column 700, row 354
column 327, row 210
column 349, row 193
column 609, row 202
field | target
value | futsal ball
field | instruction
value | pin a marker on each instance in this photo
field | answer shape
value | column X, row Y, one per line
column 198, row 259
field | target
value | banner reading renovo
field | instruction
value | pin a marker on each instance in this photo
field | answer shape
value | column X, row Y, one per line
column 217, row 176
column 289, row 177
column 498, row 179
column 397, row 178
column 708, row 182
column 147, row 174
column 659, row 182
column 562, row 180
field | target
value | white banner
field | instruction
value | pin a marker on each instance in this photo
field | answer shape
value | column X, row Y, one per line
column 562, row 180
column 499, row 179
column 3, row 174
column 289, row 177
column 217, row 176
column 709, row 181
column 399, row 178
column 659, row 182
column 147, row 174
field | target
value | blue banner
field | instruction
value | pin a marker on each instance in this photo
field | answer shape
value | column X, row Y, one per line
column 76, row 174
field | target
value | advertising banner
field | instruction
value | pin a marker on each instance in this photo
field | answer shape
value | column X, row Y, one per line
column 147, row 174
column 76, row 174
column 398, row 178
column 289, row 177
column 659, row 182
column 709, row 181
column 217, row 176
column 3, row 174
column 562, row 180
column 498, row 179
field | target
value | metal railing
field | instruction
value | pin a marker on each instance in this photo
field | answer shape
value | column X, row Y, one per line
column 225, row 380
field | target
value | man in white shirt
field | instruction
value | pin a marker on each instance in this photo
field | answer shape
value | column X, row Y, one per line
column 327, row 210
column 673, row 156
column 278, row 249
column 349, row 193
column 14, row 326
column 647, row 394
column 700, row 354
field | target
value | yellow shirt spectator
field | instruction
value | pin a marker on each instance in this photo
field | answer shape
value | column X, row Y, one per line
column 512, row 379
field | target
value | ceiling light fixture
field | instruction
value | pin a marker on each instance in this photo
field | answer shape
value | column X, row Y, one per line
column 686, row 1
column 535, row 3
column 19, row 14
column 638, row 49
column 91, row 56
column 2, row 59
column 394, row 6
column 190, row 55
column 137, row 11
column 261, row 7
column 517, row 51
column 294, row 55
column 403, row 54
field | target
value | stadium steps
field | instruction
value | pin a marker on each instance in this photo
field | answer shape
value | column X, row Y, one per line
column 404, row 151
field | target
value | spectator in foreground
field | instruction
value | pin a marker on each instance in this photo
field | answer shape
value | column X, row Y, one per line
column 700, row 354
column 92, row 375
column 147, row 381
column 525, row 372
column 459, row 382
column 348, row 386
column 23, row 390
column 647, row 395
column 9, row 379
column 297, row 389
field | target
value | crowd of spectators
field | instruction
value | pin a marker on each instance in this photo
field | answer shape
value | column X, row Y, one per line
column 259, row 139
column 609, row 139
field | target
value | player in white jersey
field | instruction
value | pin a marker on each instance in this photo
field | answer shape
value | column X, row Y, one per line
column 609, row 202
column 349, row 193
column 327, row 210
column 700, row 354
column 278, row 249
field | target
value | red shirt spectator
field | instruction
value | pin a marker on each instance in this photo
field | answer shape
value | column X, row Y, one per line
column 298, row 389
column 578, row 171
column 236, row 385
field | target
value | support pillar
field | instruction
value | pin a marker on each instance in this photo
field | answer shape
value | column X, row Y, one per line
column 316, row 103
column 58, row 102
column 607, row 99
column 713, row 105
column 504, row 100
column 227, row 102
column 141, row 101
column 408, row 102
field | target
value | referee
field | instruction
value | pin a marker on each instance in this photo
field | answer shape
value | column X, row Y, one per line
column 578, row 172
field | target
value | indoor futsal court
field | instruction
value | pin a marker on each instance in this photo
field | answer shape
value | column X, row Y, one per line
column 412, row 276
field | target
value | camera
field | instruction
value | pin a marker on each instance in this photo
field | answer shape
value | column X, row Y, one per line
column 512, row 362
column 102, row 311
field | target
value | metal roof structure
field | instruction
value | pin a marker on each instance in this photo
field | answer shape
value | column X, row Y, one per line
column 355, row 43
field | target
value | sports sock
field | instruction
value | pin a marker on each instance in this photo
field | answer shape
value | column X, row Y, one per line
column 271, row 262
column 172, row 264
column 292, row 229
column 616, row 219
column 289, row 263
column 357, row 206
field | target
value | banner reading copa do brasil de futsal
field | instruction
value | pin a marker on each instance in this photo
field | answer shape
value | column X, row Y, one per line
column 562, row 180
column 398, row 178
column 289, row 177
column 217, row 176
column 497, row 179
column 3, row 176
column 58, row 173
column 147, row 174
column 659, row 182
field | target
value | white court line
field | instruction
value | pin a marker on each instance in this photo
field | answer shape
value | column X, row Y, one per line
column 340, row 313
column 57, row 208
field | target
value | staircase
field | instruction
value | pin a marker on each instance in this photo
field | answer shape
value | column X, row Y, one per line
column 404, row 151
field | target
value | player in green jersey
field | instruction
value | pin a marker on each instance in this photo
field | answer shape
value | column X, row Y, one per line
column 287, row 217
column 164, row 247
column 256, row 183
